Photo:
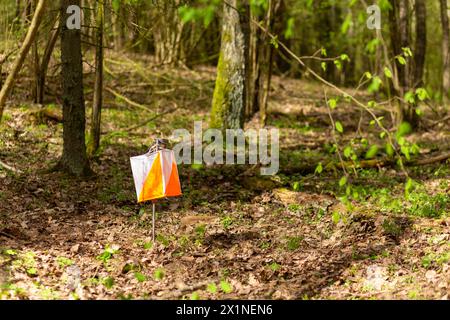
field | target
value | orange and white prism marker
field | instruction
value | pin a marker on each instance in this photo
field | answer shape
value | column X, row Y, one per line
column 155, row 176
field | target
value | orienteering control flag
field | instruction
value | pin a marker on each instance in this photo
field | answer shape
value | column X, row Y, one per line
column 155, row 175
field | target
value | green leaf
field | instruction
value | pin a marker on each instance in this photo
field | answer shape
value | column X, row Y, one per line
column 212, row 288
column 372, row 152
column 409, row 97
column 158, row 274
column 404, row 129
column 319, row 168
column 343, row 181
column 407, row 52
column 336, row 217
column 371, row 104
column 195, row 296
column 11, row 252
column 332, row 103
column 387, row 72
column 323, row 51
column 409, row 186
column 338, row 64
column 116, row 5
column 187, row 13
column 346, row 24
column 32, row 271
column 375, row 84
column 422, row 94
column 348, row 152
column 274, row 42
column 140, row 277
column 368, row 75
column 108, row 282
column 405, row 151
column 64, row 262
column 339, row 127
column 226, row 287
column 197, row 166
column 289, row 32
column 148, row 245
column 345, row 57
column 401, row 60
column 208, row 15
column 324, row 66
column 389, row 149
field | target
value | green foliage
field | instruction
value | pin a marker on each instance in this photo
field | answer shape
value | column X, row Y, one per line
column 227, row 222
column 226, row 287
column 372, row 152
column 204, row 11
column 434, row 259
column 274, row 266
column 212, row 288
column 107, row 254
column 195, row 296
column 336, row 217
column 319, row 168
column 375, row 84
column 159, row 274
column 289, row 31
column 339, row 127
column 64, row 262
column 293, row 243
column 108, row 282
column 140, row 277
column 163, row 240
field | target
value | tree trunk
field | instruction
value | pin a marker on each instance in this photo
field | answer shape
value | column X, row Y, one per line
column 261, row 53
column 401, row 38
column 45, row 62
column 74, row 159
column 168, row 33
column 94, row 142
column 445, row 51
column 265, row 65
column 35, row 63
column 32, row 31
column 228, row 104
column 421, row 43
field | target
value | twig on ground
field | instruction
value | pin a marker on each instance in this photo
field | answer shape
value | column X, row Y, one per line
column 129, row 101
column 9, row 168
column 143, row 123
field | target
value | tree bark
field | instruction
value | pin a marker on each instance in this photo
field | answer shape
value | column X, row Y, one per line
column 45, row 62
column 168, row 33
column 94, row 142
column 228, row 104
column 31, row 34
column 74, row 159
column 445, row 50
column 401, row 38
column 421, row 42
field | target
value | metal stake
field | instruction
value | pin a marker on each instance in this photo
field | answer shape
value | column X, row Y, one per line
column 153, row 223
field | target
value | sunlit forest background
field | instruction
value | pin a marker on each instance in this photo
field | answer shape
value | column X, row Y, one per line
column 358, row 91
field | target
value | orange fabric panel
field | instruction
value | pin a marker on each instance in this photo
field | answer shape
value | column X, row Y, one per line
column 173, row 188
column 153, row 186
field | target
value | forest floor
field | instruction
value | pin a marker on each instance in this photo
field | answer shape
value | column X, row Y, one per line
column 282, row 237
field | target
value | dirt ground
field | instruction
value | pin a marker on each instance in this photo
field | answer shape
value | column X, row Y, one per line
column 233, row 234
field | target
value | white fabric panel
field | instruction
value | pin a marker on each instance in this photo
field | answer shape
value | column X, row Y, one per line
column 140, row 166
